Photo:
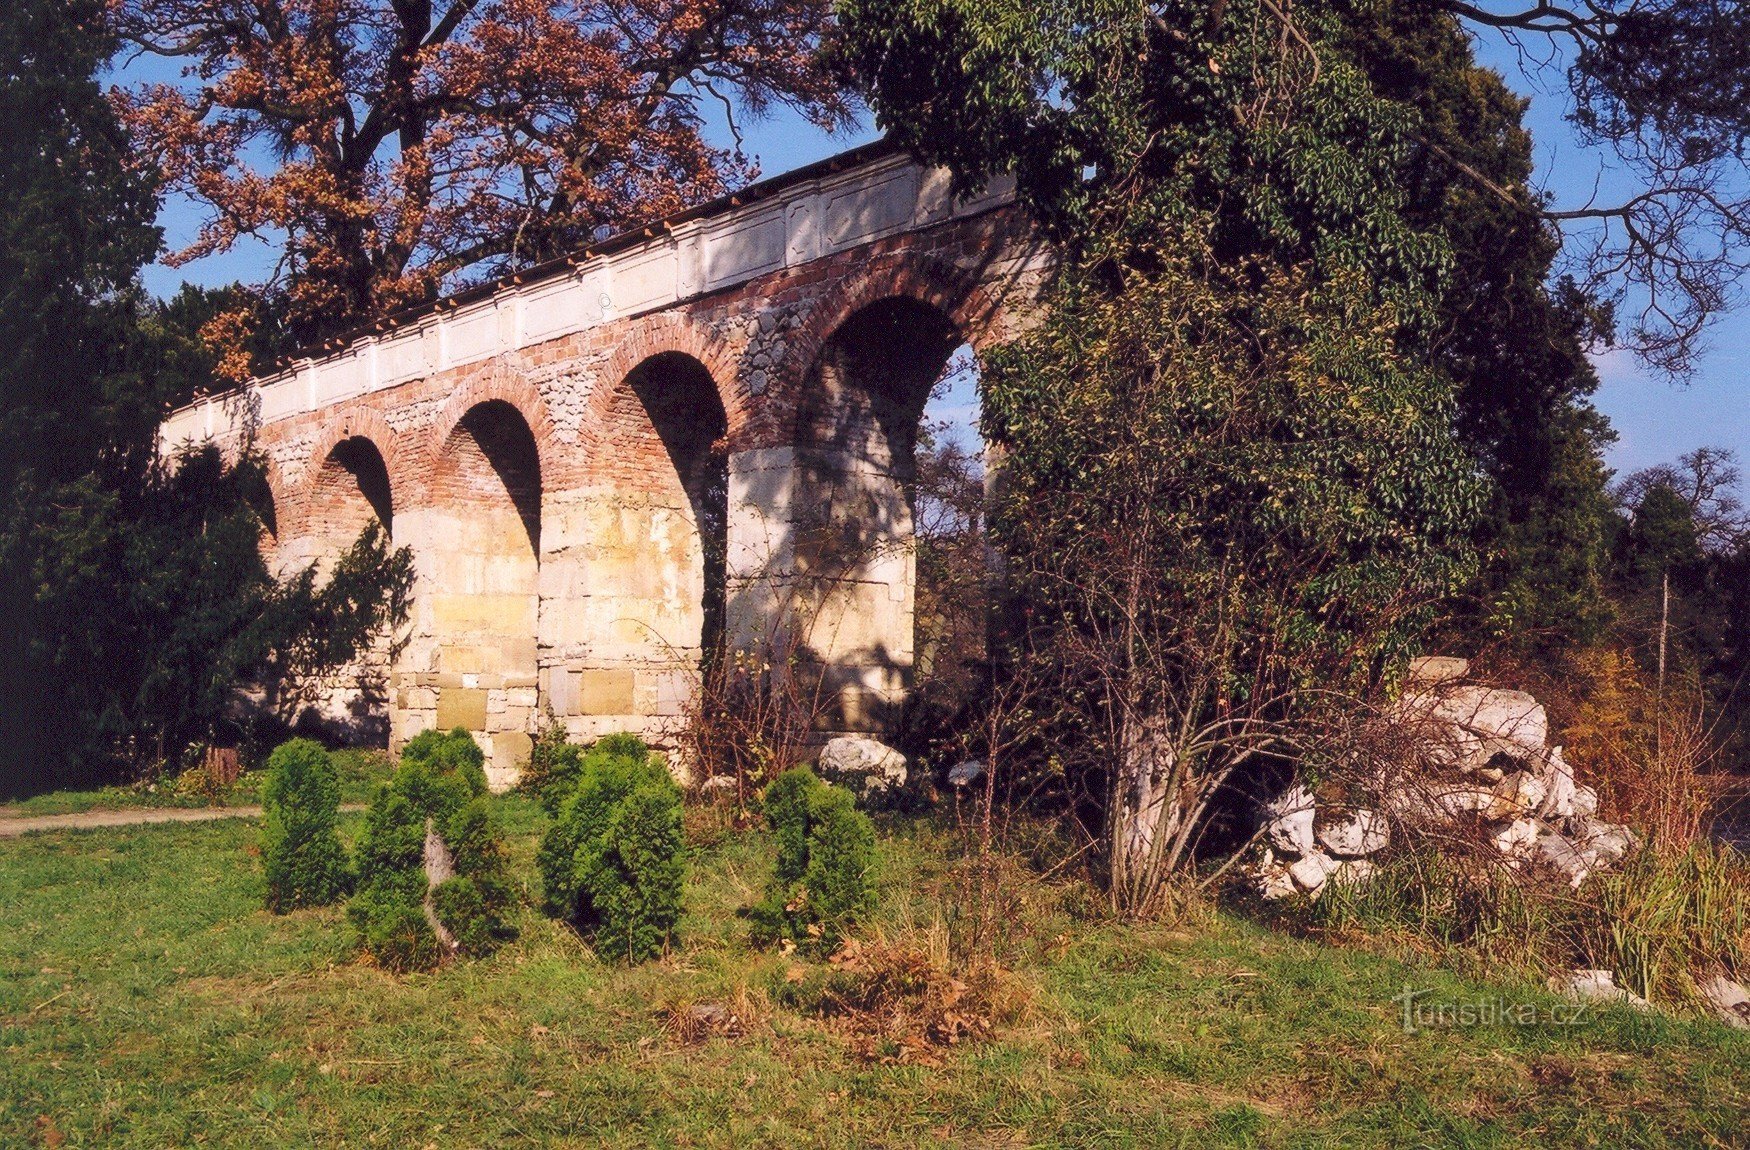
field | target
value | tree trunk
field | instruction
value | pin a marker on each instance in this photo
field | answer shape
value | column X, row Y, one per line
column 1145, row 816
column 440, row 867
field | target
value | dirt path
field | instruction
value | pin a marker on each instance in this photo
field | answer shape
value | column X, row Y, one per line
column 11, row 827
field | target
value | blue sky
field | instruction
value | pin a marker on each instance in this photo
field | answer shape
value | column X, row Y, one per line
column 1655, row 420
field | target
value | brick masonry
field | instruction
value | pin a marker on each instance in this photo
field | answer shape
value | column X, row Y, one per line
column 559, row 494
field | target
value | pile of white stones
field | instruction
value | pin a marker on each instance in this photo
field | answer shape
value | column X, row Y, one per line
column 1483, row 761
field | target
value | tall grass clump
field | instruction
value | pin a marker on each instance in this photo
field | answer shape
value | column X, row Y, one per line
column 1663, row 922
column 433, row 874
column 612, row 865
column 304, row 860
column 824, row 878
column 1670, row 919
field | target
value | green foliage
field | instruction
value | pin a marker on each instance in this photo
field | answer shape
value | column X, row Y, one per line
column 301, row 853
column 612, row 864
column 1511, row 336
column 440, row 771
column 439, row 788
column 393, row 929
column 823, row 882
column 1232, row 490
column 554, row 764
column 1153, row 1003
column 134, row 592
column 76, row 418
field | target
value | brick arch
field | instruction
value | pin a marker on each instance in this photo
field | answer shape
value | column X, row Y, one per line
column 501, row 384
column 359, row 423
column 956, row 294
column 667, row 333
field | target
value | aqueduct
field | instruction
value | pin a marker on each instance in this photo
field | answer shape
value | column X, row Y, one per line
column 700, row 430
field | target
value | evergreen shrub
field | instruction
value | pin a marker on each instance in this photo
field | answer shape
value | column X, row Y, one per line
column 440, row 788
column 823, row 881
column 304, row 860
column 612, row 864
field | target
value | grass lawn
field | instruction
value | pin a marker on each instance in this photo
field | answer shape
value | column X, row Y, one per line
column 147, row 1000
column 360, row 774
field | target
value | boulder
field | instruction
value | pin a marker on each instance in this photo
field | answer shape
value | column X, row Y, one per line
column 1272, row 878
column 869, row 769
column 1352, row 872
column 1558, row 787
column 1433, row 670
column 1468, row 726
column 1516, row 839
column 1594, row 986
column 1729, row 1000
column 1456, row 799
column 1585, row 802
column 1515, row 796
column 718, row 789
column 1602, row 843
column 1563, row 857
column 1363, row 833
column 1310, row 873
column 1288, row 822
column 965, row 774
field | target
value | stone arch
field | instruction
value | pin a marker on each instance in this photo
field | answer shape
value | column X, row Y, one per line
column 955, row 294
column 368, row 424
column 354, row 476
column 499, row 384
column 658, row 548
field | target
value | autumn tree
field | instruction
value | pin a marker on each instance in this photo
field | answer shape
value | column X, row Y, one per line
column 398, row 146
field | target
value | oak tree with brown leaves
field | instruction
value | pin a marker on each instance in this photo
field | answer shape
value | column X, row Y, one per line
column 394, row 148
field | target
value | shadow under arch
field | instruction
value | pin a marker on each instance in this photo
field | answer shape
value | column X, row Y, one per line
column 680, row 420
column 351, row 490
column 856, row 437
column 494, row 439
column 478, row 605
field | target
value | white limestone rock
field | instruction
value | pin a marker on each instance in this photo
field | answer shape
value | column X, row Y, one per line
column 1585, row 802
column 965, row 774
column 1352, row 873
column 1272, row 878
column 1516, row 795
column 1310, row 873
column 1465, row 727
column 1456, row 799
column 1562, row 856
column 1603, row 844
column 718, row 789
column 1288, row 822
column 1433, row 670
column 1594, row 986
column 1363, row 833
column 871, row 770
column 1559, row 788
column 1729, row 1000
column 1517, row 838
